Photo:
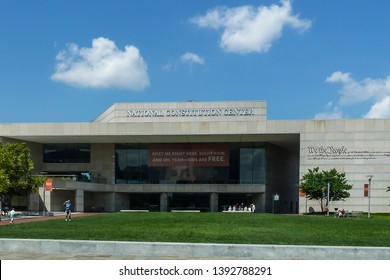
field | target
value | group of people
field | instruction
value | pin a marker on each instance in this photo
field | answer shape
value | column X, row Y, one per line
column 68, row 212
column 242, row 207
column 340, row 213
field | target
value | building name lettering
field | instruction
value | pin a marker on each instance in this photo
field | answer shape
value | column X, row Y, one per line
column 191, row 113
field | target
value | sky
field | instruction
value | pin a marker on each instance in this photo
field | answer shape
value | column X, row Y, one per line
column 70, row 60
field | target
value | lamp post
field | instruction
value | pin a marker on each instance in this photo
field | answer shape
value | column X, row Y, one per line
column 327, row 201
column 369, row 177
column 275, row 197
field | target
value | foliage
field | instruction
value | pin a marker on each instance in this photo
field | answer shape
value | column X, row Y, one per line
column 16, row 167
column 388, row 190
column 315, row 183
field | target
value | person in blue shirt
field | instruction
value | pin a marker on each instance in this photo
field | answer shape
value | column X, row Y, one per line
column 68, row 210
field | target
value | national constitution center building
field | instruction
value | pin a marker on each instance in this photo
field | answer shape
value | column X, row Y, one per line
column 203, row 156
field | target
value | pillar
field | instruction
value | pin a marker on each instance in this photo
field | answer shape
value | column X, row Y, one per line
column 214, row 202
column 163, row 202
column 259, row 202
column 79, row 201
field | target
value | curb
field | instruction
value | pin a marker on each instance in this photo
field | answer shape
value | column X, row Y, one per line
column 159, row 250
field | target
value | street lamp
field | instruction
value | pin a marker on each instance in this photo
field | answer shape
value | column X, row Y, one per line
column 327, row 201
column 275, row 197
column 369, row 177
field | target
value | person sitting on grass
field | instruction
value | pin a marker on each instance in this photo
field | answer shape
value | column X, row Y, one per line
column 341, row 213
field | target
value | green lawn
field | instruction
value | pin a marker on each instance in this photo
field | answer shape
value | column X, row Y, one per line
column 238, row 228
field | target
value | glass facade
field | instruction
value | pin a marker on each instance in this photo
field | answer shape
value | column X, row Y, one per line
column 66, row 153
column 197, row 163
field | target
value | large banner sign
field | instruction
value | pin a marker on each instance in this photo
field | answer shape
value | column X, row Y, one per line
column 188, row 155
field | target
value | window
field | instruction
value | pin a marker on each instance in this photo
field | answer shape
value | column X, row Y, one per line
column 66, row 153
column 244, row 163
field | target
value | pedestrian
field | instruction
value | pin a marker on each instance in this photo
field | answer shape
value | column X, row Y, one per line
column 12, row 216
column 68, row 210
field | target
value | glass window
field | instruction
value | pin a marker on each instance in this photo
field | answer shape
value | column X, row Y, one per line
column 66, row 153
column 252, row 164
column 258, row 165
column 198, row 163
column 131, row 164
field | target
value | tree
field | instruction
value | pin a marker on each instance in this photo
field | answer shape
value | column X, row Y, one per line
column 388, row 190
column 315, row 183
column 16, row 167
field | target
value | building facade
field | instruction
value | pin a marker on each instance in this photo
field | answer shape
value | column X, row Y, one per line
column 203, row 156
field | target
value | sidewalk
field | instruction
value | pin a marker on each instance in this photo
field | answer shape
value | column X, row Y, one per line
column 45, row 249
column 19, row 255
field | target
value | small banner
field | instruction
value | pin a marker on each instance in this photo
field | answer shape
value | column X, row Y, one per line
column 365, row 190
column 49, row 185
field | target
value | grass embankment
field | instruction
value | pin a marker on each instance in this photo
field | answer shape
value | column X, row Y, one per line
column 237, row 228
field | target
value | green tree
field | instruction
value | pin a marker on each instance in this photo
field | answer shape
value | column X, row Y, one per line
column 16, row 171
column 315, row 183
column 388, row 190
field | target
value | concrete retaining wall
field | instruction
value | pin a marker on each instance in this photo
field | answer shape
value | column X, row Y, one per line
column 160, row 250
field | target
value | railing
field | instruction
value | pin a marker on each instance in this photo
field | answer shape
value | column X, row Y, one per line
column 106, row 180
column 199, row 182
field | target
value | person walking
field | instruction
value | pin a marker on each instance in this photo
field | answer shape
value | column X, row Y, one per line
column 68, row 210
column 12, row 216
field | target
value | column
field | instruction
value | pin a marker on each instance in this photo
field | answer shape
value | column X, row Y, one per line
column 259, row 202
column 79, row 201
column 163, row 202
column 214, row 202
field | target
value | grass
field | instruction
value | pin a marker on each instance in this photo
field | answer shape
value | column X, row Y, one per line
column 236, row 228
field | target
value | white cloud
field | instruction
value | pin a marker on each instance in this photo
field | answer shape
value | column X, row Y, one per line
column 381, row 109
column 251, row 29
column 338, row 77
column 354, row 91
column 187, row 58
column 191, row 58
column 102, row 66
column 335, row 113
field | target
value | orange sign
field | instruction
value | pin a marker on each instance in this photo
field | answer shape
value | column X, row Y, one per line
column 49, row 185
column 302, row 194
column 188, row 155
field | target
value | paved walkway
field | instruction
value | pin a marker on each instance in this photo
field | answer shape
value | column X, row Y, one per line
column 57, row 215
column 51, row 256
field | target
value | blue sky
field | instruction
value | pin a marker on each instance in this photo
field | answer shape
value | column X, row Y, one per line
column 68, row 60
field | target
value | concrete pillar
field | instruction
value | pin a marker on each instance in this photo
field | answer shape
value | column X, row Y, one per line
column 33, row 202
column 121, row 201
column 109, row 202
column 259, row 202
column 79, row 201
column 163, row 202
column 46, row 197
column 213, row 202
